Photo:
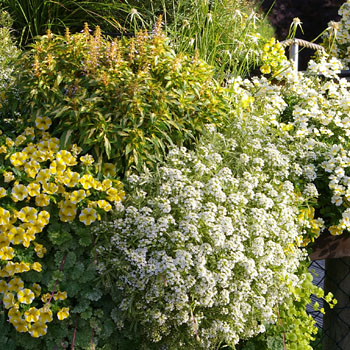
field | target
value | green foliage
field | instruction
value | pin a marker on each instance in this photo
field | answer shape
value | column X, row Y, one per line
column 125, row 100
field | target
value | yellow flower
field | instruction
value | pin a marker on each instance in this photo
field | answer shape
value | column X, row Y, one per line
column 20, row 325
column 265, row 69
column 18, row 159
column 3, row 149
column 22, row 267
column 87, row 159
column 7, row 253
column 103, row 204
column 4, row 239
column 32, row 315
column 109, row 169
column 10, row 269
column 44, row 217
column 32, row 168
column 43, row 176
column 77, row 196
column 8, row 176
column 28, row 214
column 19, row 193
column 25, row 296
column 42, row 200
column 20, row 139
column 88, row 216
column 39, row 249
column 335, row 230
column 29, row 131
column 9, row 142
column 67, row 208
column 87, row 181
column 60, row 295
column 15, row 284
column 50, row 188
column 36, row 289
column 4, row 216
column 37, row 267
column 17, row 235
column 76, row 149
column 38, row 329
column 71, row 178
column 45, row 297
column 66, row 158
column 63, row 313
column 8, row 300
column 57, row 167
column 115, row 195
column 3, row 192
column 42, row 123
column 3, row 287
column 106, row 184
column 33, row 189
column 45, row 315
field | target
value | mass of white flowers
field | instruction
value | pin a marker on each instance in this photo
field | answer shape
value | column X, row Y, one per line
column 206, row 250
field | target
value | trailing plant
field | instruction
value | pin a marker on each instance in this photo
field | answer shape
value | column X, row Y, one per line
column 125, row 100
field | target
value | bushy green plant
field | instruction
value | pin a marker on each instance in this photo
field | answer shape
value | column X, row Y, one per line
column 125, row 100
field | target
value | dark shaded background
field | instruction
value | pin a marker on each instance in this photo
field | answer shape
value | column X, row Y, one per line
column 314, row 14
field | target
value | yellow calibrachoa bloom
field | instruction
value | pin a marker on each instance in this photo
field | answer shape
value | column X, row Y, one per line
column 63, row 313
column 38, row 329
column 4, row 216
column 32, row 315
column 7, row 253
column 25, row 296
column 88, row 216
column 42, row 123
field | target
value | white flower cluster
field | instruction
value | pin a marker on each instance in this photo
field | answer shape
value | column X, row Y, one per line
column 209, row 251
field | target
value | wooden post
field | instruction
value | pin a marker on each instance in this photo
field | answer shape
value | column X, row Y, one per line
column 294, row 54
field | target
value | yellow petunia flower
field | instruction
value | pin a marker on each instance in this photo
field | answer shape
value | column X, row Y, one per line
column 4, row 216
column 42, row 200
column 32, row 314
column 33, row 189
column 19, row 193
column 88, row 216
column 8, row 176
column 37, row 267
column 43, row 123
column 25, row 296
column 15, row 284
column 7, row 253
column 63, row 313
column 3, row 192
column 38, row 329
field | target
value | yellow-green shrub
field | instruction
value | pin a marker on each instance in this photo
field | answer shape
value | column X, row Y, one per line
column 125, row 100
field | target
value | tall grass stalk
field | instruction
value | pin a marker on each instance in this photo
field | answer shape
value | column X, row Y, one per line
column 35, row 17
column 227, row 34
